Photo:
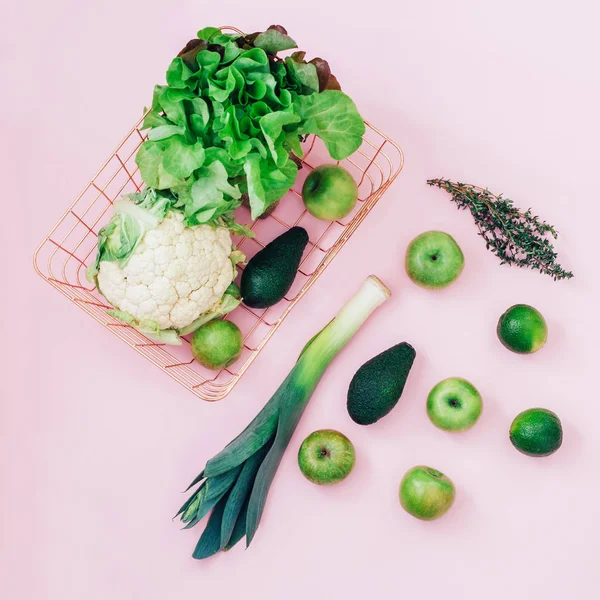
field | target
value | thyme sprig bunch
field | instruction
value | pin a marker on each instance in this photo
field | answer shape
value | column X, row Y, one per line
column 516, row 237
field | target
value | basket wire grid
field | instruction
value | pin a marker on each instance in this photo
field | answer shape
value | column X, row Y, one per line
column 64, row 254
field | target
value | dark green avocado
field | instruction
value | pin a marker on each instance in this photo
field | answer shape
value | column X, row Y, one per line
column 377, row 386
column 270, row 273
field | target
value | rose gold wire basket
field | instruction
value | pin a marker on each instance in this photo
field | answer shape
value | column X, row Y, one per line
column 64, row 254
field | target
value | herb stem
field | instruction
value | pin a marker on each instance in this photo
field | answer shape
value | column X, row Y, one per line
column 516, row 237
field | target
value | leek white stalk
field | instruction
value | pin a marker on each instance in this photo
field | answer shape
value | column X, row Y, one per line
column 234, row 485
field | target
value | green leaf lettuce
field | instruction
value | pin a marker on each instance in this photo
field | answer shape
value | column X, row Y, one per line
column 231, row 114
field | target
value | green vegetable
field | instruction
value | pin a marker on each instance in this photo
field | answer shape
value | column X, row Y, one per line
column 217, row 344
column 332, row 116
column 231, row 299
column 270, row 273
column 231, row 117
column 377, row 386
column 234, row 484
column 273, row 41
column 136, row 214
column 515, row 236
column 119, row 238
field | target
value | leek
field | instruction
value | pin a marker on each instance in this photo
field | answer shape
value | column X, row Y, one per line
column 234, row 484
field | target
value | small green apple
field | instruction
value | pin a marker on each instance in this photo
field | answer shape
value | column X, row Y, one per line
column 217, row 344
column 434, row 260
column 329, row 193
column 454, row 404
column 425, row 493
column 326, row 456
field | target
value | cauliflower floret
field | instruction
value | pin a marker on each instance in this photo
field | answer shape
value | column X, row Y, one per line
column 175, row 274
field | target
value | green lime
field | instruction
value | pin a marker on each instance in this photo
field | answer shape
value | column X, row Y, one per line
column 536, row 432
column 217, row 344
column 522, row 329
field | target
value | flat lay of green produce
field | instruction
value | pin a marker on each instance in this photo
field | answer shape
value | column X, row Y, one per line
column 227, row 130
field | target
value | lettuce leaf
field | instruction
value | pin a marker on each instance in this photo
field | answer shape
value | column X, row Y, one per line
column 181, row 159
column 303, row 74
column 211, row 195
column 231, row 115
column 273, row 41
column 272, row 125
column 149, row 159
column 267, row 183
column 332, row 116
column 179, row 75
column 208, row 33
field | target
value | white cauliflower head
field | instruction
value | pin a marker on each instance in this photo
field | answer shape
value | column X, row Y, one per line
column 175, row 274
column 163, row 277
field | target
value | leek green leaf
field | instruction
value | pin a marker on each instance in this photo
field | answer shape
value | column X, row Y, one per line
column 197, row 480
column 212, row 491
column 210, row 540
column 239, row 530
column 258, row 433
column 294, row 401
column 240, row 492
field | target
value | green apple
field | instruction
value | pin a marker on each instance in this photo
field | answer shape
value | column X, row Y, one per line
column 326, row 456
column 329, row 192
column 434, row 260
column 425, row 493
column 454, row 404
column 217, row 344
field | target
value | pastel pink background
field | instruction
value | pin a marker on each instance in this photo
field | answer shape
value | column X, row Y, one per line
column 96, row 444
